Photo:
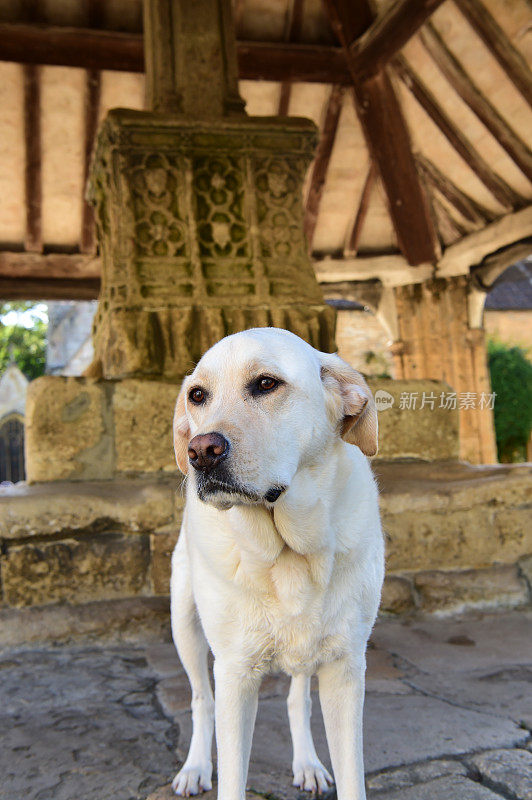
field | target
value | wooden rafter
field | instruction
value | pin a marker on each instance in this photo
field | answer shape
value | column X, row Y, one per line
column 292, row 34
column 32, row 172
column 321, row 161
column 499, row 45
column 470, row 94
column 92, row 107
column 458, row 259
column 95, row 13
column 372, row 51
column 55, row 276
column 388, row 140
column 362, row 211
column 448, row 225
column 109, row 50
column 502, row 192
column 49, row 289
column 463, row 203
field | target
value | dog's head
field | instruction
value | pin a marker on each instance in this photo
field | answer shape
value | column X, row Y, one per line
column 260, row 405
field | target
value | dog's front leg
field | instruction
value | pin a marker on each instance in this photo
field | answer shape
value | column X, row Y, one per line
column 342, row 701
column 236, row 700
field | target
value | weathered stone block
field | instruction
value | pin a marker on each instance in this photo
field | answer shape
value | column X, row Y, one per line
column 449, row 788
column 454, row 592
column 134, row 619
column 75, row 570
column 397, row 595
column 507, row 771
column 68, row 430
column 401, row 778
column 441, row 540
column 426, row 431
column 142, row 417
column 446, row 515
column 525, row 567
column 513, row 527
column 162, row 545
column 45, row 509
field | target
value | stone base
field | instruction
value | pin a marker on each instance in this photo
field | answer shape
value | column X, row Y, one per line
column 134, row 620
column 456, row 591
column 84, row 429
column 86, row 542
column 453, row 516
column 92, row 558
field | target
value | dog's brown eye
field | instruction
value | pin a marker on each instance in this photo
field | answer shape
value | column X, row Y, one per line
column 196, row 396
column 266, row 384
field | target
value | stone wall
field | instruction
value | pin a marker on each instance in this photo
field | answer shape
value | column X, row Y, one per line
column 512, row 327
column 85, row 546
column 87, row 556
column 364, row 343
column 457, row 536
column 85, row 429
column 93, row 557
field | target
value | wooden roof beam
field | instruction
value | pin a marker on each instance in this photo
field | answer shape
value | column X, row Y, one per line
column 499, row 45
column 53, row 289
column 92, row 108
column 502, row 192
column 54, row 276
column 109, row 50
column 321, row 161
column 469, row 208
column 351, row 247
column 32, row 170
column 372, row 43
column 388, row 140
column 451, row 68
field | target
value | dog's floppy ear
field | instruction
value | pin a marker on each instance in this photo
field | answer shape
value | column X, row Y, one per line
column 181, row 432
column 351, row 403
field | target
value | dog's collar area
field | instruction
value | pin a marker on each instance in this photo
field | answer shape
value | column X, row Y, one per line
column 274, row 493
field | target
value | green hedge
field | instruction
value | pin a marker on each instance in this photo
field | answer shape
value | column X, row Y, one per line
column 511, row 379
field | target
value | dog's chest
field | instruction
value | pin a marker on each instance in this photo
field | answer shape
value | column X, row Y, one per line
column 295, row 620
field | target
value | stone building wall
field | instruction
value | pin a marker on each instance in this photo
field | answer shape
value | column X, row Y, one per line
column 512, row 327
column 69, row 347
column 364, row 343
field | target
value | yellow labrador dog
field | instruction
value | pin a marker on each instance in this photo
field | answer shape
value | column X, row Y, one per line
column 280, row 561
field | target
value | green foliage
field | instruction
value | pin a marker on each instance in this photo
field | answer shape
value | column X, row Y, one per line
column 26, row 346
column 511, row 379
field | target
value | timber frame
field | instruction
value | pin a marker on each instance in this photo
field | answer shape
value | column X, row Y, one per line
column 363, row 63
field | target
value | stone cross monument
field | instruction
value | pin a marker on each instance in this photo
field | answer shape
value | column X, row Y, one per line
column 198, row 207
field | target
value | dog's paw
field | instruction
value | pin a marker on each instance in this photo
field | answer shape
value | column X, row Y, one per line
column 191, row 780
column 312, row 776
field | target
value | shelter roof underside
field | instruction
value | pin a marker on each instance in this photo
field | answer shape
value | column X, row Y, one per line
column 462, row 88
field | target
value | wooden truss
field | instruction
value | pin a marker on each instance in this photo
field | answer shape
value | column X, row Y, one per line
column 364, row 67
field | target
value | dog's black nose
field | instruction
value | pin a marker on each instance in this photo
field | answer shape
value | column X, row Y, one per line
column 206, row 450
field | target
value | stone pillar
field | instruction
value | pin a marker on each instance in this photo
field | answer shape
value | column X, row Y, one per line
column 436, row 341
column 198, row 207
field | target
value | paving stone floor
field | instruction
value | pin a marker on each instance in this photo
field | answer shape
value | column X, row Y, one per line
column 448, row 717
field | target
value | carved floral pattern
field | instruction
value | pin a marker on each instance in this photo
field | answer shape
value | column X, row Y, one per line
column 156, row 184
column 277, row 182
column 219, row 199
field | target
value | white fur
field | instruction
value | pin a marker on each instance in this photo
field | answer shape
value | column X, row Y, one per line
column 291, row 585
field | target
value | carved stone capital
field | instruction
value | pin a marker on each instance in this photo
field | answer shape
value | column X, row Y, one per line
column 201, row 233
